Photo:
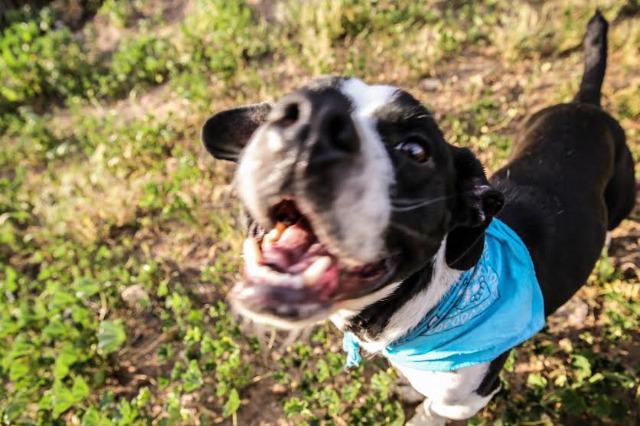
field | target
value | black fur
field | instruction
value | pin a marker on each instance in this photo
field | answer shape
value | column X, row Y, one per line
column 491, row 380
column 595, row 60
column 570, row 178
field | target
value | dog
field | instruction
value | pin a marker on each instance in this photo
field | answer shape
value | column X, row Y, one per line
column 362, row 213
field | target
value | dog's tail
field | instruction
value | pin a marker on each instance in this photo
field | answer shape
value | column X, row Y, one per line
column 595, row 60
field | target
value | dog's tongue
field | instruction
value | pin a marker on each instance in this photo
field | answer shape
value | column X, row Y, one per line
column 284, row 249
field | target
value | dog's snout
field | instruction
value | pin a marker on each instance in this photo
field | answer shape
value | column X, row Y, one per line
column 319, row 121
column 334, row 131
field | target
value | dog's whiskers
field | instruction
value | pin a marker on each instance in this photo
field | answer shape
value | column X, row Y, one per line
column 403, row 205
column 408, row 230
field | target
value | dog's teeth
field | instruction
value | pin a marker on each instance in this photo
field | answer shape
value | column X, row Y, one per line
column 252, row 253
column 246, row 292
column 314, row 272
column 274, row 235
column 267, row 240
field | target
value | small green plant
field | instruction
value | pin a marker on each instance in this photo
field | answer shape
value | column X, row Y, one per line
column 221, row 36
column 38, row 60
column 143, row 60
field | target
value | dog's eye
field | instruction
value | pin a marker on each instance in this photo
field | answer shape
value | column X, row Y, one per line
column 414, row 148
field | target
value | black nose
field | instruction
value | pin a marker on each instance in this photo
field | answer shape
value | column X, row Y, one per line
column 321, row 121
column 292, row 111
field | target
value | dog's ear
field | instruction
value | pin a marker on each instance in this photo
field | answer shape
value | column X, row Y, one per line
column 477, row 202
column 226, row 133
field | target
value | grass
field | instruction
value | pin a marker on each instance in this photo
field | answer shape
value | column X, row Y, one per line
column 119, row 235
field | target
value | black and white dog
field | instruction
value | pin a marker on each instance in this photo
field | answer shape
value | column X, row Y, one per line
column 361, row 212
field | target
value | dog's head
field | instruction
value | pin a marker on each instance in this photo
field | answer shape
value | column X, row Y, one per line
column 350, row 188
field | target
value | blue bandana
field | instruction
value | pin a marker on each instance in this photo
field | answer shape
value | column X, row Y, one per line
column 493, row 307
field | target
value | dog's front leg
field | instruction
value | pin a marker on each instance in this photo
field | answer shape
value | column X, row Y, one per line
column 454, row 395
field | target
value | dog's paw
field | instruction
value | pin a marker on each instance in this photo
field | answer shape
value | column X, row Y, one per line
column 424, row 417
column 407, row 393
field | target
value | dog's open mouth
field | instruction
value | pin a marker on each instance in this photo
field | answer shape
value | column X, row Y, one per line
column 289, row 273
